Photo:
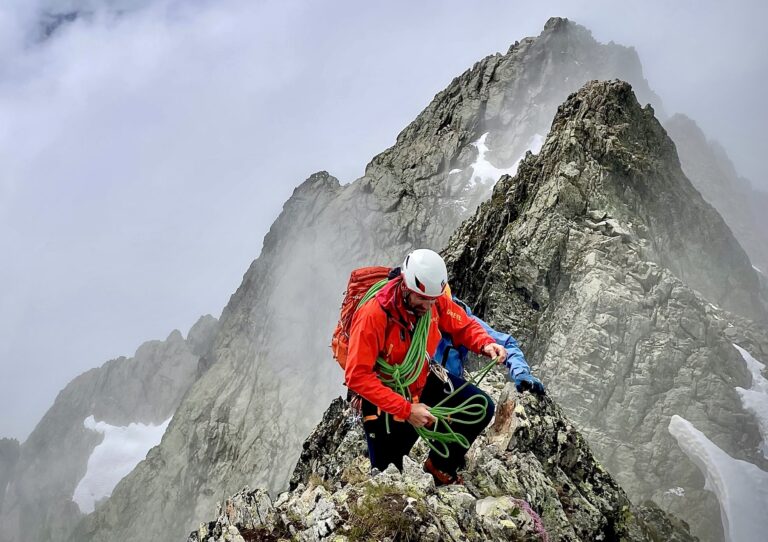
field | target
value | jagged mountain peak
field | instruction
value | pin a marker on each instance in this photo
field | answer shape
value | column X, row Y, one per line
column 319, row 179
column 590, row 254
column 606, row 152
column 488, row 98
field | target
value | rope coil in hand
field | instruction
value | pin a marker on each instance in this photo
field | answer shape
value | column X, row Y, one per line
column 399, row 378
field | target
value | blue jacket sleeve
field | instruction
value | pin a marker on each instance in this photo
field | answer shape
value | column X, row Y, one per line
column 515, row 358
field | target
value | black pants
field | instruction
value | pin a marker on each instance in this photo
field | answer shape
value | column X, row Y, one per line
column 384, row 448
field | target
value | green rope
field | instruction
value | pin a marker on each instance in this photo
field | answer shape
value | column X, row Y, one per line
column 372, row 291
column 472, row 411
column 399, row 378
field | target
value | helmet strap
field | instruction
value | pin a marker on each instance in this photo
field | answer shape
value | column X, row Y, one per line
column 405, row 291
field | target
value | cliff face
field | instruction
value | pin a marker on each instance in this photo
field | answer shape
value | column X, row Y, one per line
column 40, row 501
column 9, row 455
column 589, row 255
column 530, row 477
column 271, row 375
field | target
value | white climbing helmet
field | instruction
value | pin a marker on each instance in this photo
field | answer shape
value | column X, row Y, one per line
column 424, row 272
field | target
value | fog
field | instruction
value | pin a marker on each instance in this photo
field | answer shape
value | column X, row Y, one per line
column 146, row 146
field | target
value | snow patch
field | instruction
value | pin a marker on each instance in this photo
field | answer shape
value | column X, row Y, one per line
column 483, row 172
column 755, row 399
column 758, row 270
column 120, row 451
column 676, row 491
column 453, row 171
column 740, row 487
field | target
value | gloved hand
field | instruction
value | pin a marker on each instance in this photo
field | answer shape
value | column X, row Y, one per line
column 526, row 381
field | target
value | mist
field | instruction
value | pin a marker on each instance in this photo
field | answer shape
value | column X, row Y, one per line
column 147, row 146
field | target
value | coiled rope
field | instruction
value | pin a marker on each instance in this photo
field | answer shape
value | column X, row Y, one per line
column 399, row 378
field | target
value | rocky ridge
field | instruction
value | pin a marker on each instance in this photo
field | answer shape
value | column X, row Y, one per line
column 587, row 254
column 146, row 388
column 260, row 397
column 530, row 477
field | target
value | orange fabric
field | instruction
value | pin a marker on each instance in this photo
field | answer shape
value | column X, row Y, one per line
column 360, row 281
column 374, row 334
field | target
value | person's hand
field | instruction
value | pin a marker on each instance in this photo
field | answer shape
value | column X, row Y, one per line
column 525, row 381
column 495, row 351
column 420, row 415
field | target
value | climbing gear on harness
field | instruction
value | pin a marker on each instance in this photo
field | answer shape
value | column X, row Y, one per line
column 440, row 372
column 425, row 273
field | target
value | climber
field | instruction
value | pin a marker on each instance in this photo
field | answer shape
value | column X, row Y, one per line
column 454, row 357
column 380, row 338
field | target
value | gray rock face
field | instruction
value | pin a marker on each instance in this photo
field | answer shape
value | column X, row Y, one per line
column 146, row 388
column 589, row 255
column 708, row 167
column 530, row 477
column 271, row 375
column 9, row 455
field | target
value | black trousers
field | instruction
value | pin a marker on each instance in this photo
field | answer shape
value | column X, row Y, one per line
column 384, row 448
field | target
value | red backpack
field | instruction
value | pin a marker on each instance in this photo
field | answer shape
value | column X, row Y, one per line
column 360, row 281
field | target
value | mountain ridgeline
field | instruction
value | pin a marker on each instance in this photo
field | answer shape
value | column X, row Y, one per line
column 587, row 253
column 623, row 284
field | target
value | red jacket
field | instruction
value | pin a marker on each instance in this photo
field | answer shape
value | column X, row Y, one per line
column 374, row 335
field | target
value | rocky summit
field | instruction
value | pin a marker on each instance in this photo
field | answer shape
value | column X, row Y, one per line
column 530, row 477
column 591, row 254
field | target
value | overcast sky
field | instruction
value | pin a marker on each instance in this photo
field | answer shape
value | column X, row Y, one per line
column 145, row 150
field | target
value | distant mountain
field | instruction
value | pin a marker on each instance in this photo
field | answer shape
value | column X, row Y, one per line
column 60, row 470
column 744, row 208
